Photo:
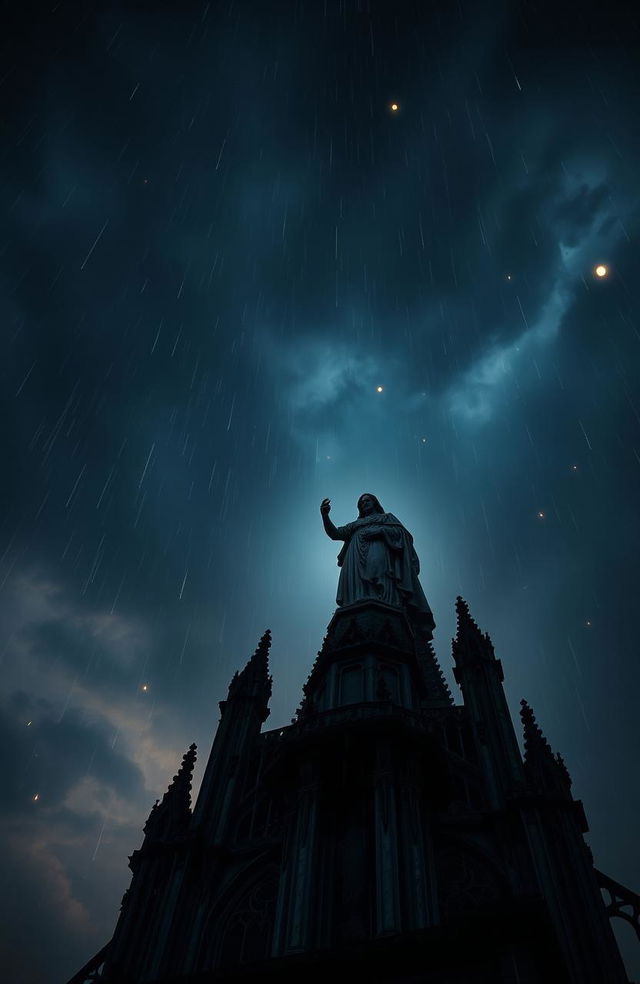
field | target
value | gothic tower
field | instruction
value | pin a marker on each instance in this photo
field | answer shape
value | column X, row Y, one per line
column 387, row 834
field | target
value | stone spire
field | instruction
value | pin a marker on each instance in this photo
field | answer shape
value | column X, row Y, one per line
column 170, row 818
column 470, row 644
column 235, row 745
column 480, row 676
column 546, row 772
column 254, row 679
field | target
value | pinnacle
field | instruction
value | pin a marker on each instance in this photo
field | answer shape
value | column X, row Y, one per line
column 254, row 679
column 170, row 816
column 466, row 624
column 533, row 737
column 538, row 754
column 189, row 760
column 468, row 632
column 265, row 640
column 462, row 608
column 181, row 782
column 260, row 658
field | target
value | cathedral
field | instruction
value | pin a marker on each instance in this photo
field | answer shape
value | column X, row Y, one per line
column 387, row 834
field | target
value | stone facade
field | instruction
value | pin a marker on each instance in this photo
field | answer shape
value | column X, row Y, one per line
column 387, row 833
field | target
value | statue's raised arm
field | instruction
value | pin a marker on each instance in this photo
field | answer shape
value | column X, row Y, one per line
column 329, row 528
column 378, row 561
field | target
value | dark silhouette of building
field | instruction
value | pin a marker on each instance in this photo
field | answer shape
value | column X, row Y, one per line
column 387, row 834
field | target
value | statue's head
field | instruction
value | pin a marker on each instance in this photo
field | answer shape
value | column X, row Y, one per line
column 367, row 504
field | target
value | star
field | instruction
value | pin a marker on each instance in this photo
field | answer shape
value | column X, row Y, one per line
column 601, row 271
column 394, row 107
column 379, row 389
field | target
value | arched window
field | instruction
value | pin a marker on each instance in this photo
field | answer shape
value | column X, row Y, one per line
column 247, row 934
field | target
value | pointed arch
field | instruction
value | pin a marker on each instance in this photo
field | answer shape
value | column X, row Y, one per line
column 239, row 926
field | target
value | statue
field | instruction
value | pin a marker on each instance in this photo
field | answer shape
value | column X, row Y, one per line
column 378, row 561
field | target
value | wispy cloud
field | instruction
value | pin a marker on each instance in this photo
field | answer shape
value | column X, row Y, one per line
column 585, row 233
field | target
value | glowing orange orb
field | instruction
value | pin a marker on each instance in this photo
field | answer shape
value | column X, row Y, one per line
column 601, row 270
column 394, row 107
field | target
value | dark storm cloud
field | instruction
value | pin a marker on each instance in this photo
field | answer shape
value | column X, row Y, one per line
column 53, row 640
column 59, row 753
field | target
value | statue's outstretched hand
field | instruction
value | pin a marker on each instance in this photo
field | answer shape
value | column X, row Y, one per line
column 325, row 507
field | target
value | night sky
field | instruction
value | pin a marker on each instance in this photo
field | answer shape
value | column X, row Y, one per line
column 233, row 281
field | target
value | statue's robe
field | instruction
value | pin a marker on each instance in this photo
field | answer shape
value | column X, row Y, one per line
column 385, row 568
